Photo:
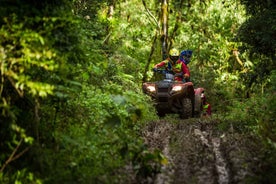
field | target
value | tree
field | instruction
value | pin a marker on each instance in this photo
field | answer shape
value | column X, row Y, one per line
column 258, row 31
column 258, row 35
column 38, row 46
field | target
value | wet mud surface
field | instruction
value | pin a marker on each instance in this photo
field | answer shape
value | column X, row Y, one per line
column 197, row 152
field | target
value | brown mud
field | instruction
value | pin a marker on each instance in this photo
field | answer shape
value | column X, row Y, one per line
column 198, row 152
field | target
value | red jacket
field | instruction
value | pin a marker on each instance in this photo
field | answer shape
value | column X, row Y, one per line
column 178, row 67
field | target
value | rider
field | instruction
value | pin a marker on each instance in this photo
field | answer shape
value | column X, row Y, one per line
column 185, row 56
column 173, row 63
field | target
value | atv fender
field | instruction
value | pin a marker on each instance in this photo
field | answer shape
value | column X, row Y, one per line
column 198, row 102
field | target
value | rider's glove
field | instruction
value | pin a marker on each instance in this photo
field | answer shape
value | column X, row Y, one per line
column 154, row 69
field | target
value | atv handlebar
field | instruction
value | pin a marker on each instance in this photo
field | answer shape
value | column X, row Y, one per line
column 162, row 71
column 170, row 74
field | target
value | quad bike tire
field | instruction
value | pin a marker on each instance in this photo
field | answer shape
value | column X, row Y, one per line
column 187, row 108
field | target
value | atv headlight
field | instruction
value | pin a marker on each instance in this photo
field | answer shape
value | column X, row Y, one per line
column 176, row 88
column 151, row 88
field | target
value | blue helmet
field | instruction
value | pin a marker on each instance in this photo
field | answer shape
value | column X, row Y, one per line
column 185, row 56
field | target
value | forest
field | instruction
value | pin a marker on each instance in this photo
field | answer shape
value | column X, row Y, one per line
column 71, row 103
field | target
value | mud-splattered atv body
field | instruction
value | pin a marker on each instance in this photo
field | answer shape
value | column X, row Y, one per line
column 198, row 108
column 172, row 97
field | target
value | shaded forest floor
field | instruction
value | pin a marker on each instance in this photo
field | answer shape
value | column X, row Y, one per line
column 198, row 152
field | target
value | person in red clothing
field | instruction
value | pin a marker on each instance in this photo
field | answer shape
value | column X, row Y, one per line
column 174, row 64
column 206, row 106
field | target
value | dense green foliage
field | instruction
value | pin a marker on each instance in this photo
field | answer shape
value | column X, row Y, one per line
column 258, row 36
column 259, row 31
column 65, row 103
column 70, row 100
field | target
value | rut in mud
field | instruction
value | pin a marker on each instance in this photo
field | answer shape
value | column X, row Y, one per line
column 197, row 152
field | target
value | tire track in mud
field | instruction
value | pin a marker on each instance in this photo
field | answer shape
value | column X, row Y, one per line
column 221, row 164
column 199, row 152
column 192, row 150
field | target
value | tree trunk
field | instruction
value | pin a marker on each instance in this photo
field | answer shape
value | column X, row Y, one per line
column 176, row 25
column 164, row 24
column 150, row 56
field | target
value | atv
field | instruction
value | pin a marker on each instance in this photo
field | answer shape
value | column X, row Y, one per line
column 174, row 97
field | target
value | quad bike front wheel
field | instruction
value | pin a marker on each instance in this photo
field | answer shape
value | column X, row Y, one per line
column 187, row 108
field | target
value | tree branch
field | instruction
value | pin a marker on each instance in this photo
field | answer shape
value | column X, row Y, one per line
column 151, row 15
column 13, row 156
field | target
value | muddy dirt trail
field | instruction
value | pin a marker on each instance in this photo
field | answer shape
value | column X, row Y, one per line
column 197, row 152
